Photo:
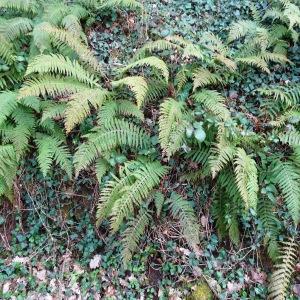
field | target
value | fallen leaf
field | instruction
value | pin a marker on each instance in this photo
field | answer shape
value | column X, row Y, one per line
column 234, row 287
column 204, row 221
column 5, row 287
column 40, row 275
column 22, row 260
column 95, row 261
column 258, row 277
column 296, row 289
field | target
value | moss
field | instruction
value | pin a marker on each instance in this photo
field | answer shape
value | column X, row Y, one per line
column 201, row 292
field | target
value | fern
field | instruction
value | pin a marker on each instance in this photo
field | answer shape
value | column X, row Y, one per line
column 133, row 233
column 137, row 84
column 213, row 102
column 182, row 210
column 67, row 38
column 51, row 85
column 287, row 178
column 52, row 149
column 127, row 4
column 159, row 200
column 284, row 269
column 270, row 225
column 292, row 138
column 101, row 167
column 8, row 164
column 203, row 77
column 58, row 64
column 78, row 108
column 152, row 61
column 8, row 102
column 15, row 27
column 138, row 187
column 109, row 136
column 171, row 126
column 246, row 178
column 20, row 5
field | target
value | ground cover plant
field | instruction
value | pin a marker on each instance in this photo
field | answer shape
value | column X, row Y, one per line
column 171, row 173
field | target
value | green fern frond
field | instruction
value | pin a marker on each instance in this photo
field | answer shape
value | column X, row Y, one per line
column 65, row 37
column 101, row 167
column 58, row 64
column 8, row 164
column 30, row 6
column 147, row 177
column 123, row 4
column 109, row 136
column 133, row 233
column 112, row 109
column 222, row 154
column 240, row 29
column 265, row 209
column 51, row 85
column 152, row 46
column 151, row 61
column 171, row 126
column 290, row 115
column 289, row 94
column 78, row 107
column 246, row 178
column 284, row 269
column 292, row 138
column 52, row 149
column 54, row 110
column 6, row 51
column 137, row 85
column 203, row 77
column 41, row 40
column 159, row 200
column 72, row 24
column 254, row 61
column 288, row 179
column 8, row 102
column 15, row 27
column 183, row 210
column 214, row 102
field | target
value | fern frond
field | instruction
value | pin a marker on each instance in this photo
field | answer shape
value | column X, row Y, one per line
column 58, row 64
column 15, row 27
column 72, row 24
column 133, row 233
column 289, row 94
column 151, row 61
column 288, row 178
column 214, row 103
column 54, row 110
column 281, row 276
column 222, row 154
column 288, row 116
column 292, row 138
column 147, row 177
column 171, row 126
column 109, row 136
column 159, row 200
column 240, row 29
column 6, row 51
column 246, row 178
column 152, row 46
column 112, row 109
column 254, row 61
column 101, row 167
column 52, row 149
column 65, row 37
column 8, row 164
column 51, row 85
column 78, row 108
column 270, row 224
column 203, row 77
column 30, row 6
column 8, row 102
column 122, row 4
column 183, row 210
column 137, row 85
